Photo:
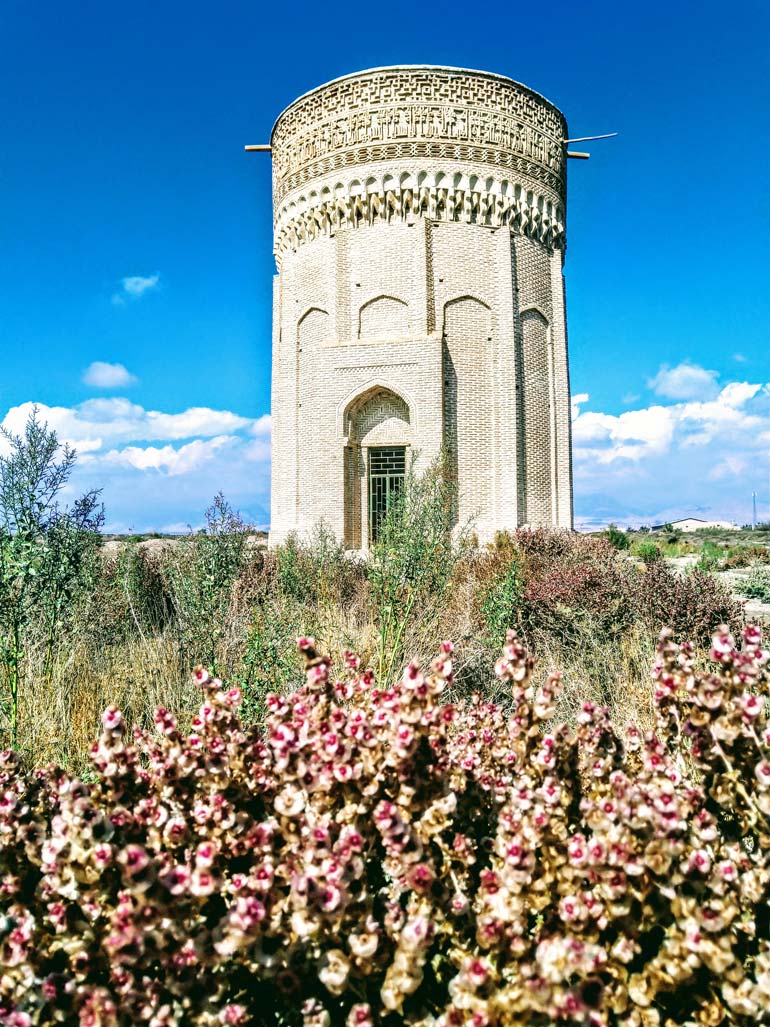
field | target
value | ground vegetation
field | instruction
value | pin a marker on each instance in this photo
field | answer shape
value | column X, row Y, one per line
column 375, row 855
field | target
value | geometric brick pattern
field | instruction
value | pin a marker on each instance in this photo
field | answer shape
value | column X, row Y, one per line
column 359, row 118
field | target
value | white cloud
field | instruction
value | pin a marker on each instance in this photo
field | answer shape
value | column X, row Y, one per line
column 685, row 381
column 731, row 466
column 664, row 461
column 631, row 436
column 108, row 376
column 98, row 423
column 166, row 459
column 262, row 425
column 724, row 417
column 577, row 402
column 195, row 421
column 739, row 358
column 258, row 451
column 158, row 468
column 132, row 287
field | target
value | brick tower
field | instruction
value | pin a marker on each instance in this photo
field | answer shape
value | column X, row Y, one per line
column 419, row 301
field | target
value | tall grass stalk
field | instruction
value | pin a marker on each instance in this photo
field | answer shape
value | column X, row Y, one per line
column 412, row 561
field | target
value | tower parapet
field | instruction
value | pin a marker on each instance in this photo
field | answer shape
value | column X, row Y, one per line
column 447, row 144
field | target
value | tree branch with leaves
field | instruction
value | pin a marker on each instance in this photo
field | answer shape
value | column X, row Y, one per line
column 44, row 548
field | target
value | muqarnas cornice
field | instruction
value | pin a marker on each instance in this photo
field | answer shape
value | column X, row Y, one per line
column 438, row 196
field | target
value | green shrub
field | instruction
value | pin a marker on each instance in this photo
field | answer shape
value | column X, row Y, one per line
column 617, row 538
column 202, row 570
column 757, row 584
column 746, row 556
column 269, row 659
column 648, row 552
column 46, row 551
column 710, row 557
column 412, row 561
column 319, row 571
column 501, row 604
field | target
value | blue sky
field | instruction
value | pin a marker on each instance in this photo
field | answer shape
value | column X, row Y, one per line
column 134, row 231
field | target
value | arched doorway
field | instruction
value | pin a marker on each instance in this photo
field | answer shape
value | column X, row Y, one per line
column 378, row 437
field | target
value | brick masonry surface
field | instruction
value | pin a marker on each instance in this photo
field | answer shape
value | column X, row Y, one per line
column 419, row 236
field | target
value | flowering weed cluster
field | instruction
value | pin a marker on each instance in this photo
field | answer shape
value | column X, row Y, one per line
column 377, row 856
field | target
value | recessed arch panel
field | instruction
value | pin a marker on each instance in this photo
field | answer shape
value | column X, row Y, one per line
column 383, row 317
column 536, row 420
column 468, row 404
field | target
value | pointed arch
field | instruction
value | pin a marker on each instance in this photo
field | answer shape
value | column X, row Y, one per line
column 313, row 328
column 377, row 423
column 469, row 417
column 361, row 395
column 383, row 317
column 535, row 427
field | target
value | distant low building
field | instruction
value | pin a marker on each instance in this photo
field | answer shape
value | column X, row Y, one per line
column 695, row 524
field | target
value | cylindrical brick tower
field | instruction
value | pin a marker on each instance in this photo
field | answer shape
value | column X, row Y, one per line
column 419, row 301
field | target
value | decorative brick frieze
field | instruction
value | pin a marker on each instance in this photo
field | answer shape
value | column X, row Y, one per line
column 388, row 113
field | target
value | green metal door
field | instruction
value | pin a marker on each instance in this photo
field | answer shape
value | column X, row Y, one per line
column 387, row 469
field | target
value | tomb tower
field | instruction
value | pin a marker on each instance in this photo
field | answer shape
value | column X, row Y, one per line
column 419, row 302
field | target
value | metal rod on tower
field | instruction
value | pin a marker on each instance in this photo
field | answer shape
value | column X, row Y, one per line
column 577, row 154
column 261, row 148
column 588, row 139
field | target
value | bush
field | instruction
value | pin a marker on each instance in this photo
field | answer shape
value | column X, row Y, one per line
column 757, row 584
column 617, row 538
column 501, row 604
column 379, row 857
column 690, row 603
column 746, row 556
column 577, row 590
column 202, row 571
column 133, row 595
column 46, row 552
column 566, row 580
column 710, row 557
column 319, row 572
column 269, row 656
column 412, row 562
column 648, row 552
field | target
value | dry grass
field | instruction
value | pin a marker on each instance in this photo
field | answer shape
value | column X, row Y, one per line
column 149, row 617
column 60, row 715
